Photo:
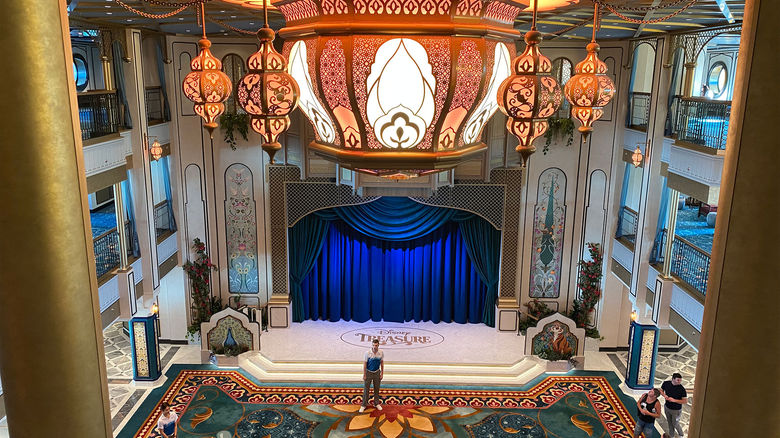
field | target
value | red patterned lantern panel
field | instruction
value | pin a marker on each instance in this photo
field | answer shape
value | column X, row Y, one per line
column 589, row 90
column 268, row 93
column 395, row 95
column 530, row 96
column 207, row 86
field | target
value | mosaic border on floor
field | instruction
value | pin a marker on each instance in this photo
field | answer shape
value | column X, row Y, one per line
column 545, row 392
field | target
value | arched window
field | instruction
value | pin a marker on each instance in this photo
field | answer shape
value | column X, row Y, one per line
column 233, row 66
column 561, row 71
column 80, row 72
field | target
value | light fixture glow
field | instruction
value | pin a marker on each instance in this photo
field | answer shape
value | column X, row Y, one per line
column 206, row 85
column 590, row 89
column 156, row 150
column 637, row 156
column 531, row 95
column 634, row 315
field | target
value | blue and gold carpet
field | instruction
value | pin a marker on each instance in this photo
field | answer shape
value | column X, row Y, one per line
column 226, row 403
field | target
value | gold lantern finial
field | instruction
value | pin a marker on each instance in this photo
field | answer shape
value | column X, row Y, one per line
column 206, row 85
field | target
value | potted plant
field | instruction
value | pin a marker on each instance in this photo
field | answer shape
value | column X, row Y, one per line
column 536, row 311
column 202, row 304
column 227, row 355
column 557, row 362
column 558, row 128
column 589, row 284
column 230, row 123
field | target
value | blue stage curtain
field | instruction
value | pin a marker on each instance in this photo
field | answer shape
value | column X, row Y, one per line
column 483, row 243
column 394, row 218
column 361, row 278
column 305, row 244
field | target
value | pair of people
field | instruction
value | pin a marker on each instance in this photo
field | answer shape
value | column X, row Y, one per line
column 650, row 408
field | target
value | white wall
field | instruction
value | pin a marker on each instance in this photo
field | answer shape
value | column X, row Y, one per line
column 172, row 300
column 644, row 56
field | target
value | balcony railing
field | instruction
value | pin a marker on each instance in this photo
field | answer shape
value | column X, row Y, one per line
column 154, row 105
column 162, row 218
column 628, row 224
column 639, row 103
column 106, row 248
column 702, row 121
column 689, row 263
column 98, row 113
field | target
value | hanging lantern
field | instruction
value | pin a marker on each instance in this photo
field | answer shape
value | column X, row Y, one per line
column 156, row 150
column 267, row 92
column 637, row 157
column 530, row 95
column 590, row 89
column 207, row 86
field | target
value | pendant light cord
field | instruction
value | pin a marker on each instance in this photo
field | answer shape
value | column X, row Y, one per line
column 533, row 22
column 595, row 21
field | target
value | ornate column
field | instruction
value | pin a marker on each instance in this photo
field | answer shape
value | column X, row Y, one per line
column 737, row 390
column 51, row 354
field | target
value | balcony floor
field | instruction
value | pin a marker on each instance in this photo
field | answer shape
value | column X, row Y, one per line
column 103, row 219
column 694, row 228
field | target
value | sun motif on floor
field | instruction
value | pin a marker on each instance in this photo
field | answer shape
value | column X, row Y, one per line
column 393, row 420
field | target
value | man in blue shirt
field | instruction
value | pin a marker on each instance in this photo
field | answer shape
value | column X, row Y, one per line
column 373, row 369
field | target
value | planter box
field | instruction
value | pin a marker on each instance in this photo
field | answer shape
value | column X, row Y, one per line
column 227, row 361
column 557, row 366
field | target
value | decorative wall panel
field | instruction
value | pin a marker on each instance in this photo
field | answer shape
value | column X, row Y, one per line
column 548, row 227
column 241, row 229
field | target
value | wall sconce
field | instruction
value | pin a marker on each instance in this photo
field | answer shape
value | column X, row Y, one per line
column 634, row 315
column 637, row 156
column 155, row 150
column 155, row 309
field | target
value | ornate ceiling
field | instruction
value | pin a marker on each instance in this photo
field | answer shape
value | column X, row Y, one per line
column 572, row 22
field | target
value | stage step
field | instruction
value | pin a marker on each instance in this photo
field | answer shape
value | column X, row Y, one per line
column 267, row 370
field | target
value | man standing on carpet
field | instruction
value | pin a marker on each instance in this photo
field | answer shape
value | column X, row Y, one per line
column 649, row 410
column 373, row 369
column 676, row 397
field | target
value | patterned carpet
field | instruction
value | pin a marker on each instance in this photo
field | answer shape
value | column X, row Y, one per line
column 694, row 228
column 102, row 219
column 225, row 403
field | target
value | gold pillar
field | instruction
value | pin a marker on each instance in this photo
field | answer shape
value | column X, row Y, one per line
column 108, row 78
column 119, row 210
column 690, row 76
column 737, row 389
column 51, row 347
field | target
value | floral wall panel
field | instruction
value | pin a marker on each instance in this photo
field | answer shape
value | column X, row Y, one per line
column 241, row 229
column 547, row 247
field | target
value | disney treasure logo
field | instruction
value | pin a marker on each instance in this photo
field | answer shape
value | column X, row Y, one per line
column 393, row 337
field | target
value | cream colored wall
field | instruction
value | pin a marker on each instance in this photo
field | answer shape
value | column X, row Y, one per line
column 200, row 164
column 590, row 184
column 644, row 56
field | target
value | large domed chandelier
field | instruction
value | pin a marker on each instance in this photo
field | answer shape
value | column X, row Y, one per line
column 398, row 87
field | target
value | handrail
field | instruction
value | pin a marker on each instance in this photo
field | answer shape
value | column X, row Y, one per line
column 693, row 246
column 701, row 121
column 705, row 99
column 95, row 92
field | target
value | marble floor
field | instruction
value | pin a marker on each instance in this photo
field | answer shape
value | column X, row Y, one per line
column 683, row 362
column 126, row 395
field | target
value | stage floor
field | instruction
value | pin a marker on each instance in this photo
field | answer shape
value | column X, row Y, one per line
column 409, row 342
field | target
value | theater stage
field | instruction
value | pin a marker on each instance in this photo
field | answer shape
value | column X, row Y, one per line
column 321, row 351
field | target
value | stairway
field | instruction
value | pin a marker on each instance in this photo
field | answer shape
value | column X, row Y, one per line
column 267, row 370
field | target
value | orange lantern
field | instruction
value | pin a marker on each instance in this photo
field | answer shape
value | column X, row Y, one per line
column 530, row 95
column 267, row 92
column 590, row 89
column 206, row 85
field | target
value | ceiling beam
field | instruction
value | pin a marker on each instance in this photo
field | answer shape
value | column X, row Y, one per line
column 648, row 16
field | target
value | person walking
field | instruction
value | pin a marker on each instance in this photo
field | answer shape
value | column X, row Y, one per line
column 649, row 409
column 675, row 396
column 166, row 425
column 373, row 369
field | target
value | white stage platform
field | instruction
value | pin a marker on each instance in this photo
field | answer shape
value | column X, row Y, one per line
column 414, row 353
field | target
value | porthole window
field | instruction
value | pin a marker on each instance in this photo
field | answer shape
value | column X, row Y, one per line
column 80, row 72
column 717, row 79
